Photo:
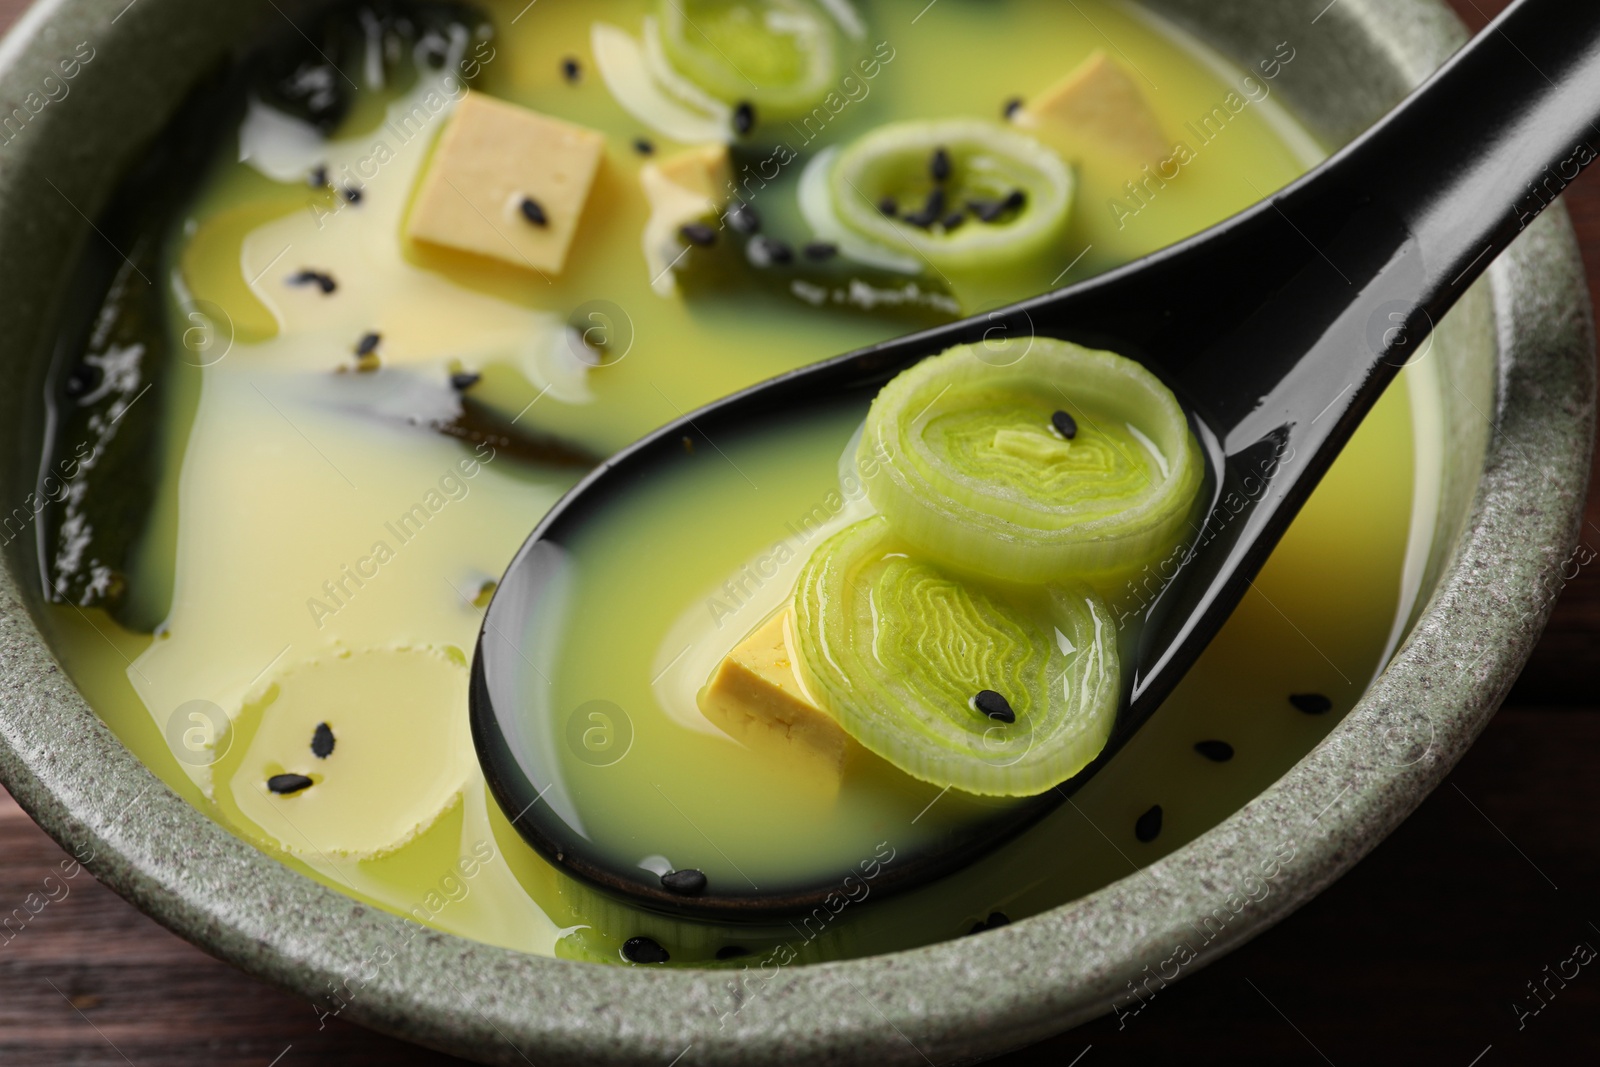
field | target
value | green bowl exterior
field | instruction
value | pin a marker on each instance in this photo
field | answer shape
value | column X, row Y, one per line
column 1522, row 350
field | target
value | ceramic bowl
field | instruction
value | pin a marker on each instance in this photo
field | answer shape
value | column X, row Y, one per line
column 1518, row 398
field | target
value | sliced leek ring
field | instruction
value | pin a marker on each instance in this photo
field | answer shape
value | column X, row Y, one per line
column 988, row 164
column 899, row 651
column 962, row 456
column 780, row 56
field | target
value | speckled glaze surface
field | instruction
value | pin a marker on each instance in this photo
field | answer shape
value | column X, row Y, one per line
column 1518, row 397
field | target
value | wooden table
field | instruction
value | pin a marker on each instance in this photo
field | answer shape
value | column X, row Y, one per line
column 1417, row 956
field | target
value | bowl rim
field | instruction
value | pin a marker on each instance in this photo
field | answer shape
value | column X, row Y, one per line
column 949, row 1001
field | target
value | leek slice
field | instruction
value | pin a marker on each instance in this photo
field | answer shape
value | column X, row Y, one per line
column 780, row 56
column 626, row 66
column 978, row 476
column 972, row 229
column 898, row 650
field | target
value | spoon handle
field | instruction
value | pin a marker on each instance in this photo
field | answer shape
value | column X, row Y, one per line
column 1280, row 328
column 1486, row 144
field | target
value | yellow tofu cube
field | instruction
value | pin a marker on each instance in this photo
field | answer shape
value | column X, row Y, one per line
column 491, row 158
column 1101, row 103
column 701, row 172
column 755, row 697
column 679, row 189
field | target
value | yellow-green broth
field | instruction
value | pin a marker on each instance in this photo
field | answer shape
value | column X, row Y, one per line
column 305, row 585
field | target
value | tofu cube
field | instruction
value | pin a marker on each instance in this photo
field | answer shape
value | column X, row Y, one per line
column 755, row 697
column 1101, row 103
column 702, row 173
column 492, row 158
column 681, row 188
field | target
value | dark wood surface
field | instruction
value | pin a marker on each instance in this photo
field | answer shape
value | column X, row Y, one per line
column 1417, row 956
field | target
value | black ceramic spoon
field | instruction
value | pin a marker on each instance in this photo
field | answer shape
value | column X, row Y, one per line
column 1278, row 330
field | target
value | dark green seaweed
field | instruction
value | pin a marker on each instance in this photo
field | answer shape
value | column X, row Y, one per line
column 743, row 260
column 112, row 386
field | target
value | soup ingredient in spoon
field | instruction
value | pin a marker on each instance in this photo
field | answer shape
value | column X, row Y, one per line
column 989, row 470
column 1148, row 826
column 896, row 648
column 994, row 705
column 756, row 698
column 1311, row 703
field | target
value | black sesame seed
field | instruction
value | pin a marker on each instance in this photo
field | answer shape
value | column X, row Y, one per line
column 1216, row 751
column 1011, row 107
column 995, row 921
column 744, row 118
column 464, row 380
column 732, row 952
column 698, row 233
column 1064, row 424
column 994, row 705
column 992, row 210
column 1148, row 826
column 920, row 219
column 953, row 221
column 318, row 278
column 643, row 950
column 767, row 250
column 644, row 146
column 887, row 206
column 1311, row 703
column 353, row 194
column 986, row 210
column 939, row 165
column 322, row 741
column 934, row 206
column 318, row 178
column 533, row 211
column 743, row 218
column 820, row 250
column 687, row 882
column 570, row 69
column 368, row 343
column 288, row 784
